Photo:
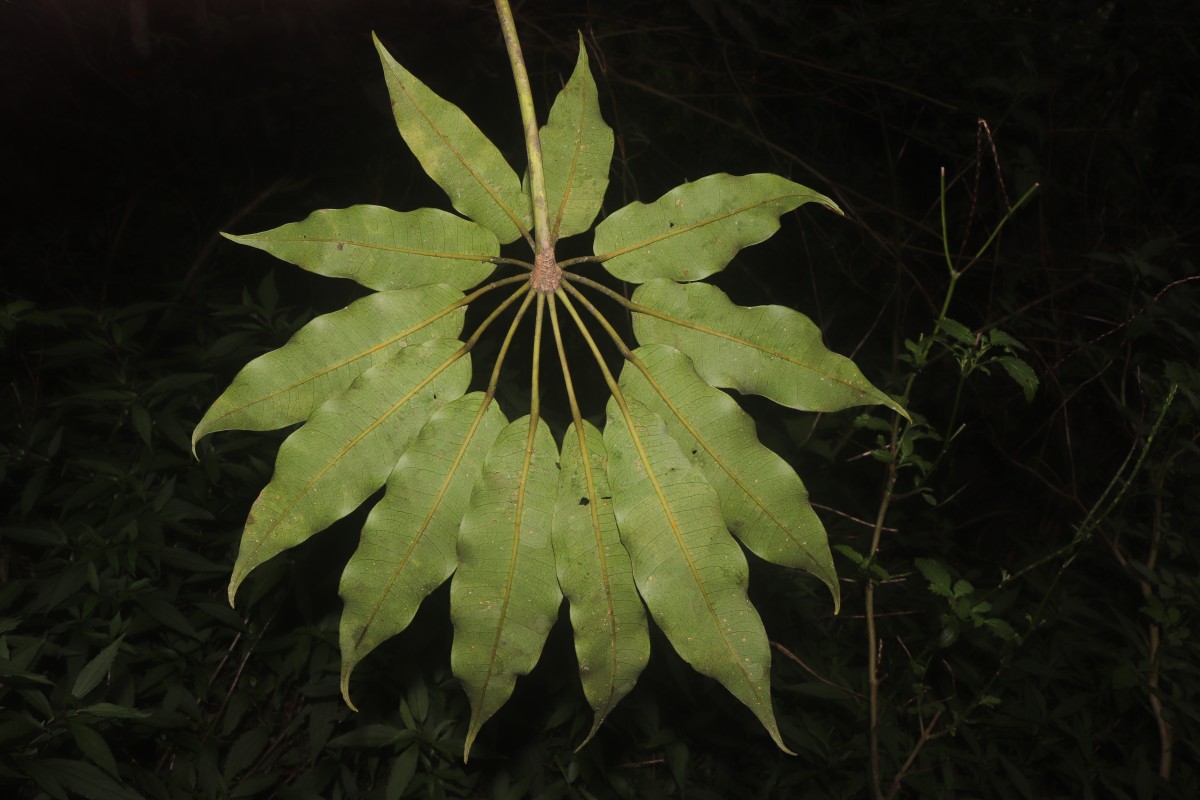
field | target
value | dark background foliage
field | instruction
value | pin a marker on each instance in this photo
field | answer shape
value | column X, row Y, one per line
column 1036, row 580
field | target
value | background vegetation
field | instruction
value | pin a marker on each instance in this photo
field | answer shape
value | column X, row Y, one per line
column 1033, row 582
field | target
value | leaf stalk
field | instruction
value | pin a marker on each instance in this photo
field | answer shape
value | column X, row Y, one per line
column 546, row 272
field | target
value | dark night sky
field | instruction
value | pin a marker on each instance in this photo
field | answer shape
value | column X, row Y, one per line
column 129, row 146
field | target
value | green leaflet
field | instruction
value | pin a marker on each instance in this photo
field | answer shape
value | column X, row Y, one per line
column 763, row 501
column 689, row 570
column 695, row 229
column 577, row 149
column 612, row 643
column 505, row 595
column 347, row 449
column 455, row 153
column 324, row 357
column 1019, row 370
column 408, row 544
column 57, row 776
column 383, row 249
column 92, row 745
column 94, row 671
column 768, row 350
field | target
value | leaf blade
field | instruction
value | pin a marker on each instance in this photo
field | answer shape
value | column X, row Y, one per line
column 772, row 351
column 577, row 149
column 383, row 249
column 408, row 543
column 79, row 777
column 94, row 670
column 322, row 359
column 503, row 606
column 690, row 572
column 763, row 501
column 695, row 229
column 612, row 641
column 1019, row 370
column 455, row 153
column 92, row 744
column 348, row 448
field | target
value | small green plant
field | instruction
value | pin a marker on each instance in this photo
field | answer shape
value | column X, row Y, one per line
column 635, row 518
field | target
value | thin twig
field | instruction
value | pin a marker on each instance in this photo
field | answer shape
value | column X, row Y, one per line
column 927, row 736
column 793, row 657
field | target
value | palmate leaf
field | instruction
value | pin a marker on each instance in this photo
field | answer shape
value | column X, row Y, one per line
column 640, row 518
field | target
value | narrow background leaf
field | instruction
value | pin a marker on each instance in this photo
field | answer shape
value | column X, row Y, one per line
column 94, row 671
column 92, row 745
column 1019, row 370
column 79, row 777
